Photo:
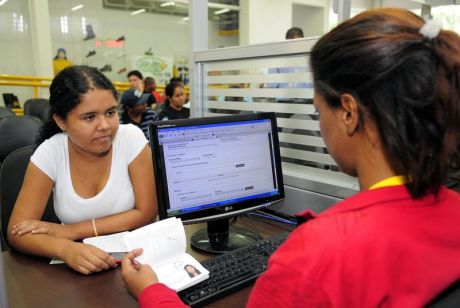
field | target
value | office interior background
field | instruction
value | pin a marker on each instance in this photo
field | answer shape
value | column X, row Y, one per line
column 32, row 31
column 156, row 36
column 224, row 50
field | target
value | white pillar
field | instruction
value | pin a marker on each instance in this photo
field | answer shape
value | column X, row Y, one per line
column 198, row 25
column 263, row 21
column 198, row 41
column 243, row 22
column 377, row 3
column 41, row 38
column 343, row 9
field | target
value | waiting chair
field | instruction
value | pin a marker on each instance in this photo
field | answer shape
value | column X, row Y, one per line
column 37, row 107
column 17, row 132
column 449, row 298
column 8, row 99
column 11, row 178
column 6, row 112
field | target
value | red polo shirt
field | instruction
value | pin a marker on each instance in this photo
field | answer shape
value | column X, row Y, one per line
column 379, row 248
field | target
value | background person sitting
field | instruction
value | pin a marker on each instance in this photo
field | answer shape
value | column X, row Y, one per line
column 165, row 98
column 294, row 33
column 175, row 95
column 150, row 87
column 99, row 172
column 136, row 81
column 135, row 110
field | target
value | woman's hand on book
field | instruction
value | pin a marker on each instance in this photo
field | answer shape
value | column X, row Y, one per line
column 136, row 276
column 86, row 259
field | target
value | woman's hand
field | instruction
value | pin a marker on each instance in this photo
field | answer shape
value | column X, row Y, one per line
column 136, row 276
column 43, row 227
column 85, row 258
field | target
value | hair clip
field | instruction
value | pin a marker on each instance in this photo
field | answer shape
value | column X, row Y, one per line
column 431, row 28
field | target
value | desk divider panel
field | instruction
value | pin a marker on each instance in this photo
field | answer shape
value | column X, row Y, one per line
column 273, row 77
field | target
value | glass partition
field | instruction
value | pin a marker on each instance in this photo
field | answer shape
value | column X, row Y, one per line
column 279, row 80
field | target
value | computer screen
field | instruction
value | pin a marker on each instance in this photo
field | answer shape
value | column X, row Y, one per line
column 209, row 169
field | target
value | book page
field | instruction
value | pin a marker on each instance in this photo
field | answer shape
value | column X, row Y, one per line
column 160, row 241
column 181, row 272
column 109, row 243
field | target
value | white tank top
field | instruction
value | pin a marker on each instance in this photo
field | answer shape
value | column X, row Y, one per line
column 52, row 157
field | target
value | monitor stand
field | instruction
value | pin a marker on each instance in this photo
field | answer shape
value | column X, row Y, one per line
column 219, row 237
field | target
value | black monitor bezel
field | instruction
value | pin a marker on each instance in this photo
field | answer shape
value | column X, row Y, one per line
column 222, row 211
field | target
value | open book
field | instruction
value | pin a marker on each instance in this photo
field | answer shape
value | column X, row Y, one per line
column 164, row 245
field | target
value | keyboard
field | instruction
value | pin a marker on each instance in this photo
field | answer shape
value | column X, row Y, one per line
column 232, row 271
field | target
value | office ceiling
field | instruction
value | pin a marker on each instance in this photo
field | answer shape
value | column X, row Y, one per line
column 179, row 8
column 438, row 2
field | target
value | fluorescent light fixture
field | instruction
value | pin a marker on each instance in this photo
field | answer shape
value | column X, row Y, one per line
column 211, row 5
column 83, row 25
column 167, row 4
column 2, row 2
column 18, row 23
column 185, row 19
column 64, row 21
column 138, row 12
column 75, row 8
column 221, row 11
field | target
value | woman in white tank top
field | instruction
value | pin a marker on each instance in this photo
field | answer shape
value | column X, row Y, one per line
column 100, row 174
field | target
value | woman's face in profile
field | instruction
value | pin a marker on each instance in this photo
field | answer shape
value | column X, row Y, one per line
column 329, row 123
column 339, row 143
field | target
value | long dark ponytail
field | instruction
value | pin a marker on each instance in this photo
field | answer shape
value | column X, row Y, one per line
column 408, row 84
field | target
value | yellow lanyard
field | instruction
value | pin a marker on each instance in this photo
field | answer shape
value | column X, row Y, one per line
column 391, row 181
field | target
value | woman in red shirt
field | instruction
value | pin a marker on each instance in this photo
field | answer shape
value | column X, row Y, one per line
column 387, row 87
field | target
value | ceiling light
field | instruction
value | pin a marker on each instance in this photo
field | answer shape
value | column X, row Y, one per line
column 75, row 8
column 167, row 4
column 213, row 5
column 2, row 2
column 185, row 19
column 138, row 12
column 221, row 11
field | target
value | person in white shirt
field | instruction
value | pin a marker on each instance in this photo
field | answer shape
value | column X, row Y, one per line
column 99, row 172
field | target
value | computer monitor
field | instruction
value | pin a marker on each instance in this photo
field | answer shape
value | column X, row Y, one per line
column 210, row 169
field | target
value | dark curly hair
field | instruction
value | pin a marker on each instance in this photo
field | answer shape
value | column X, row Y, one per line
column 170, row 87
